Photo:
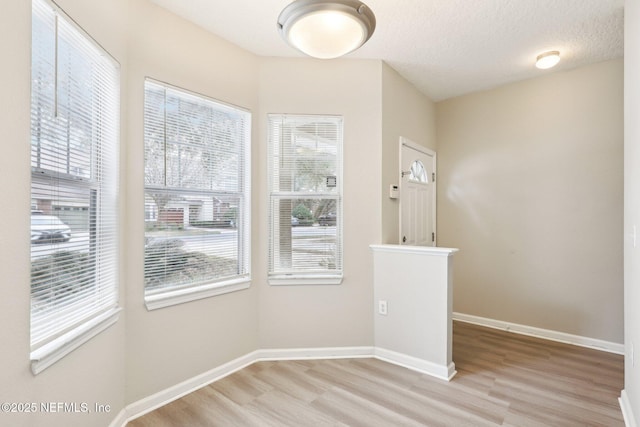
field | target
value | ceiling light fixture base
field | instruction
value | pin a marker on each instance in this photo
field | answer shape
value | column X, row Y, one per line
column 326, row 28
column 548, row 59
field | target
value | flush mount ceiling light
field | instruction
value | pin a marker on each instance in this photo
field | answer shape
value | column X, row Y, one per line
column 547, row 59
column 326, row 29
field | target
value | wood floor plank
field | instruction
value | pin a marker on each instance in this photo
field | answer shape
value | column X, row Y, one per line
column 503, row 380
column 241, row 387
column 396, row 399
column 282, row 409
column 294, row 382
column 356, row 411
column 478, row 405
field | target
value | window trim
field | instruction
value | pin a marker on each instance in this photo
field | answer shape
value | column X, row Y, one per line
column 296, row 278
column 57, row 347
column 308, row 279
column 157, row 299
column 55, row 350
column 181, row 296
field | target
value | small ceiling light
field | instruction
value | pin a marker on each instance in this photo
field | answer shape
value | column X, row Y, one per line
column 326, row 28
column 547, row 59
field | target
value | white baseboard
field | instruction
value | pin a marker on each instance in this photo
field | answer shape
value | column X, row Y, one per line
column 148, row 404
column 627, row 410
column 547, row 334
column 314, row 353
column 443, row 372
column 120, row 420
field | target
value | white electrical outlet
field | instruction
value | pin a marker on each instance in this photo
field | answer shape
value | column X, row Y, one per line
column 633, row 356
column 634, row 236
column 382, row 307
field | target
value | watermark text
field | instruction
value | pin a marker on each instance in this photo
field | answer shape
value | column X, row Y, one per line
column 53, row 407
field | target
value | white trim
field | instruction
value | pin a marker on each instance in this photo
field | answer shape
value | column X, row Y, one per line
column 444, row 372
column 547, row 334
column 55, row 350
column 406, row 142
column 421, row 250
column 148, row 404
column 627, row 410
column 315, row 353
column 161, row 398
column 415, row 146
column 290, row 280
column 120, row 420
column 295, row 276
column 175, row 297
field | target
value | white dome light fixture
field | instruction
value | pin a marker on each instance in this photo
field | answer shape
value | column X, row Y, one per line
column 326, row 29
column 548, row 59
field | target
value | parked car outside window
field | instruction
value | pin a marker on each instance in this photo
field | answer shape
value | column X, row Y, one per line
column 48, row 229
column 328, row 219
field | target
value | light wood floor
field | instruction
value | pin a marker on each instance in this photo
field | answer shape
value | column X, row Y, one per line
column 503, row 379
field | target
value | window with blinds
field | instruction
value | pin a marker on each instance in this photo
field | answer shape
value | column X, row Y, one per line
column 74, row 180
column 305, row 191
column 196, row 195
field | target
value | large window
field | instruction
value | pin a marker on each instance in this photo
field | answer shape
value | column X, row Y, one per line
column 74, row 172
column 196, row 196
column 305, row 189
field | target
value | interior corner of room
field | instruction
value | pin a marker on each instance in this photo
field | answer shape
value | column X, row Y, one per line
column 528, row 196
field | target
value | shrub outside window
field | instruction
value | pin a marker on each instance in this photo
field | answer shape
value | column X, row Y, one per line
column 74, row 186
column 305, row 191
column 196, row 196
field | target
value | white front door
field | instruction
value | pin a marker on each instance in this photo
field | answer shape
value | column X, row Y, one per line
column 417, row 194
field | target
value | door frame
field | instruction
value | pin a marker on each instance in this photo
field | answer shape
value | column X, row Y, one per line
column 421, row 148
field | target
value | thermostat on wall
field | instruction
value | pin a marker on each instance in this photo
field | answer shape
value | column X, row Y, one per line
column 394, row 193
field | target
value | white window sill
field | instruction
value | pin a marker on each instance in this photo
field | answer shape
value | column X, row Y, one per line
column 158, row 300
column 293, row 280
column 50, row 353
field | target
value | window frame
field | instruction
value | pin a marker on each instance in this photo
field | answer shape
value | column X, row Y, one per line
column 101, row 187
column 179, row 294
column 294, row 276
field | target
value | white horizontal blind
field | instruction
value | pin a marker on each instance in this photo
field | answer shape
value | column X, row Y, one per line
column 74, row 164
column 305, row 187
column 196, row 190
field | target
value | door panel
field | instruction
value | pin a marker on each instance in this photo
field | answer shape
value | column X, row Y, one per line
column 417, row 194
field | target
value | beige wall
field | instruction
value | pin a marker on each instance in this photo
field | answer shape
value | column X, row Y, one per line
column 632, row 207
column 405, row 112
column 161, row 348
column 543, row 268
column 530, row 191
column 170, row 345
column 93, row 373
column 325, row 316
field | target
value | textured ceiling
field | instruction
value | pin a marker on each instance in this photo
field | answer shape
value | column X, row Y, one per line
column 445, row 48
